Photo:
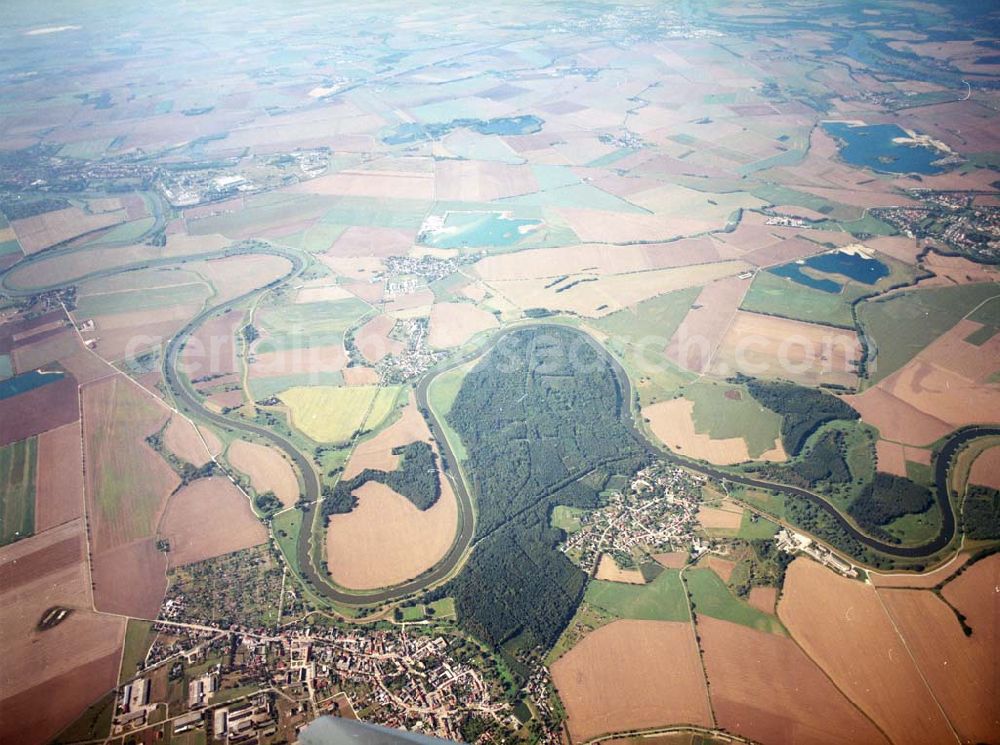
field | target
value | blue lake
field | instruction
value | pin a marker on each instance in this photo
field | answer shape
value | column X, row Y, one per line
column 854, row 266
column 26, row 382
column 510, row 125
column 479, row 229
column 872, row 146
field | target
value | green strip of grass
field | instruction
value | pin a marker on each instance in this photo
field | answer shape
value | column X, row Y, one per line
column 17, row 490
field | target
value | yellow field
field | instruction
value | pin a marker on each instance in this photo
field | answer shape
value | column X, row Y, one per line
column 331, row 414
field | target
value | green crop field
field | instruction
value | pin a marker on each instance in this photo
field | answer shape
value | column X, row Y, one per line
column 656, row 318
column 138, row 639
column 17, row 490
column 660, row 600
column 566, row 518
column 784, row 297
column 902, row 325
column 751, row 529
column 308, row 325
column 723, row 417
column 712, row 598
column 263, row 388
column 193, row 293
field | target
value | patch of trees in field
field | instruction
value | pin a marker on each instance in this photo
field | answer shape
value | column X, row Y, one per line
column 981, row 513
column 416, row 479
column 802, row 410
column 541, row 409
column 887, row 498
column 826, row 461
column 540, row 418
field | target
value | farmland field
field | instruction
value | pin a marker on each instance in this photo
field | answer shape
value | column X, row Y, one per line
column 632, row 675
column 59, row 496
column 712, row 598
column 127, row 482
column 327, row 414
column 661, row 600
column 267, row 468
column 18, row 474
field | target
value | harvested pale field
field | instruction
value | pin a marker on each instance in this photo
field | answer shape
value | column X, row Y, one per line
column 763, row 599
column 334, row 414
column 959, row 270
column 694, row 342
column 632, row 675
column 673, row 424
column 897, row 420
column 376, row 452
column 267, row 468
column 985, row 469
column 722, row 567
column 608, row 569
column 373, row 340
column 453, row 324
column 765, row 688
column 386, row 540
column 298, row 360
column 355, row 376
column 38, row 410
column 891, row 457
column 596, row 258
column 184, row 440
column 59, row 485
column 51, row 228
column 62, row 667
column 960, row 670
column 595, row 296
column 951, row 352
column 370, row 240
column 475, row 292
column 806, row 353
column 481, row 180
column 356, row 268
column 64, row 268
column 131, row 579
column 782, row 252
column 123, row 335
column 321, row 293
column 234, row 276
column 926, row 580
column 672, row 559
column 209, row 518
column 377, row 184
column 842, row 625
column 419, row 300
column 127, row 481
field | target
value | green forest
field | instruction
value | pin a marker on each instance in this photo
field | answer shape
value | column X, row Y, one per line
column 803, row 410
column 541, row 411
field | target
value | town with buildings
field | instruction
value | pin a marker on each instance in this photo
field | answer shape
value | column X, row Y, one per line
column 657, row 511
column 952, row 221
column 241, row 686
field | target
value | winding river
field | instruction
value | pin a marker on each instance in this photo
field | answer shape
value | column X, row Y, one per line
column 312, row 489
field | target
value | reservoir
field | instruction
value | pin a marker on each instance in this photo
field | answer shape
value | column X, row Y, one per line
column 872, row 146
column 851, row 265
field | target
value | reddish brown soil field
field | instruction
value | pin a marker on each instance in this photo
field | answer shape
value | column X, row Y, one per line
column 960, row 670
column 696, row 339
column 130, row 579
column 50, row 576
column 723, row 567
column 986, row 469
column 672, row 559
column 39, row 410
column 37, row 714
column 127, row 481
column 183, row 440
column 891, row 457
column 763, row 598
column 765, row 688
column 632, row 675
column 208, row 518
column 842, row 625
column 372, row 340
column 59, row 487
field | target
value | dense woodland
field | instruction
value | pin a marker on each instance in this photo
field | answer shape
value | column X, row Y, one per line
column 538, row 413
column 981, row 513
column 803, row 410
column 888, row 498
column 416, row 479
